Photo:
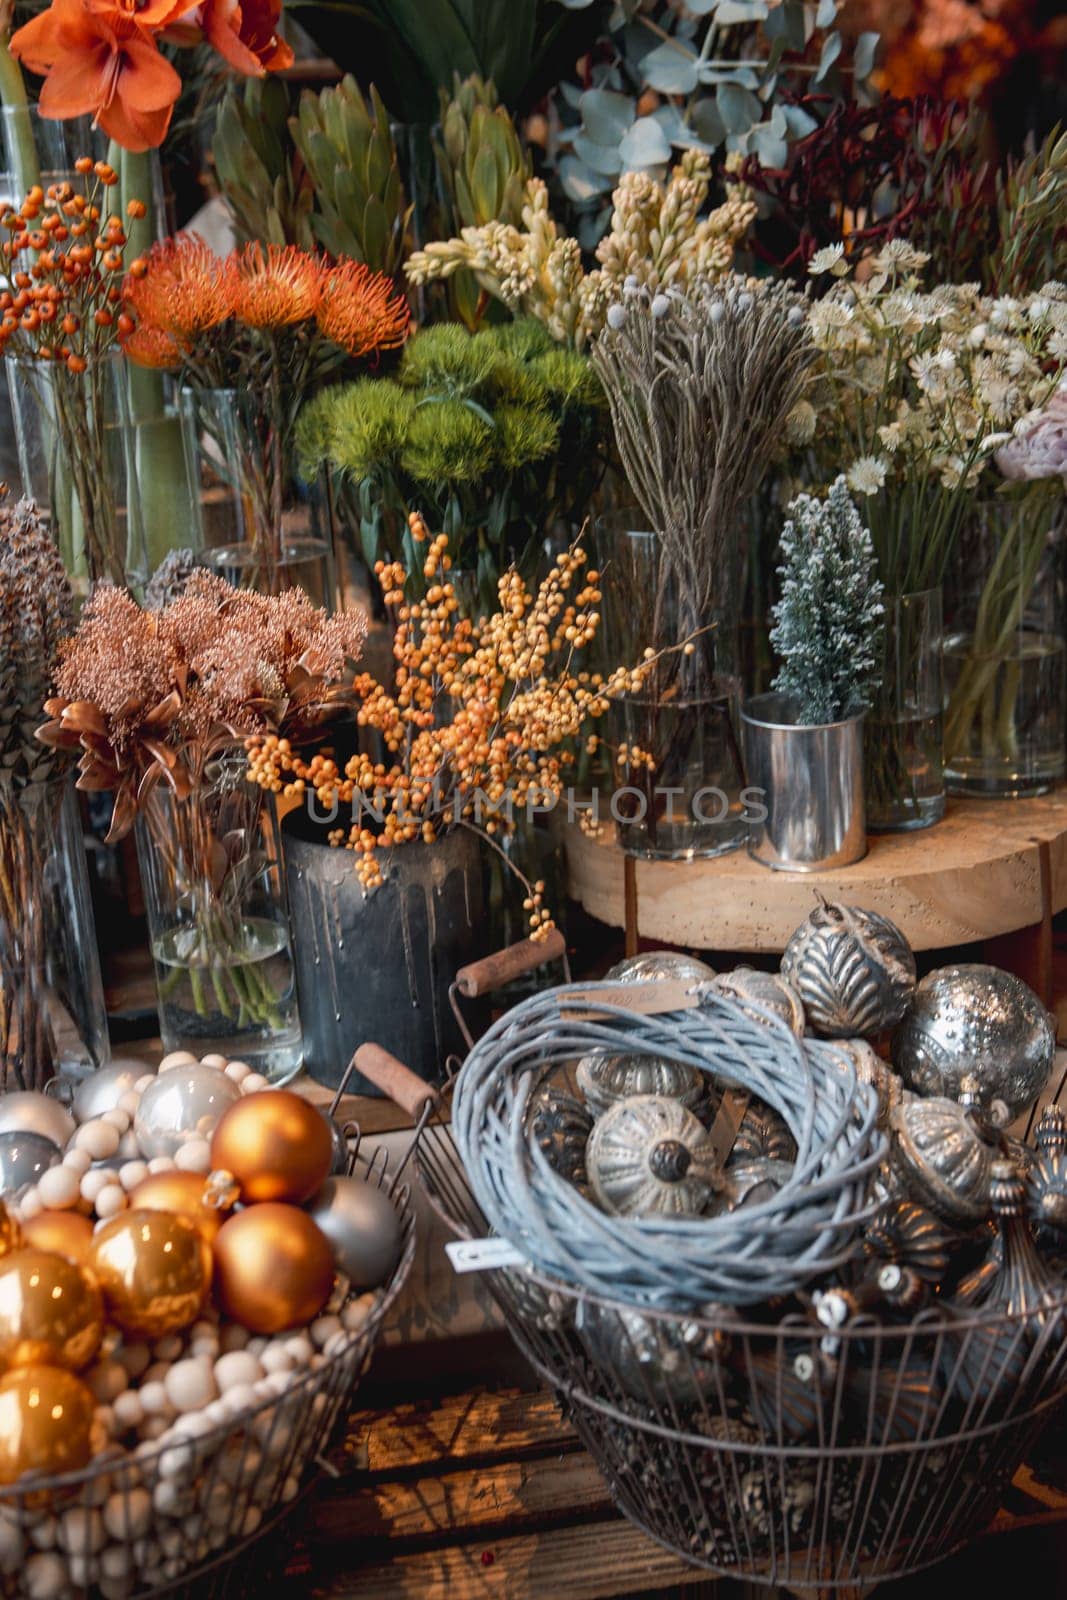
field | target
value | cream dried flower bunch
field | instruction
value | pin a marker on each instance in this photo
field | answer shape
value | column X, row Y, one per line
column 657, row 239
column 482, row 720
column 916, row 388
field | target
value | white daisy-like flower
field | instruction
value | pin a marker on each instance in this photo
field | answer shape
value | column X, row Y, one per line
column 897, row 255
column 866, row 475
column 893, row 436
column 1038, row 308
column 928, row 374
column 1003, row 311
column 828, row 317
column 831, row 258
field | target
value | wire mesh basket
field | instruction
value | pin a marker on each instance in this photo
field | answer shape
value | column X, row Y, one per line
column 174, row 1518
column 763, row 1446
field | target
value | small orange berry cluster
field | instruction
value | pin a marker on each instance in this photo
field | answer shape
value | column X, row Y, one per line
column 64, row 262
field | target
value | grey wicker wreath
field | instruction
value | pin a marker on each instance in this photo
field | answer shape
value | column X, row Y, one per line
column 740, row 1258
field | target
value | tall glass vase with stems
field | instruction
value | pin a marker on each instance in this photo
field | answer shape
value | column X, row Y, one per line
column 903, row 763
column 218, row 921
column 256, row 522
column 52, row 1017
column 681, row 773
column 1005, row 659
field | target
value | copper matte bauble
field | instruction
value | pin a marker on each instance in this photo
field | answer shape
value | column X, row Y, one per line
column 65, row 1233
column 46, row 1414
column 276, row 1144
column 274, row 1267
column 154, row 1269
column 51, row 1313
column 184, row 1193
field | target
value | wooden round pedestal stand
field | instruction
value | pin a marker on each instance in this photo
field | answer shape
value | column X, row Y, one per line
column 993, row 871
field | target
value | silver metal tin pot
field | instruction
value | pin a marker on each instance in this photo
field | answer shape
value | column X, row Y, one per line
column 810, row 780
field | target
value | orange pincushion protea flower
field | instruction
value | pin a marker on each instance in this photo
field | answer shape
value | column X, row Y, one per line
column 183, row 290
column 152, row 347
column 360, row 311
column 274, row 287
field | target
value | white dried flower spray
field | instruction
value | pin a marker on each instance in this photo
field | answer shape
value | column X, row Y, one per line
column 828, row 622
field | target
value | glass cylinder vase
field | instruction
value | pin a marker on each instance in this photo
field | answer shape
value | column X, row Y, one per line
column 679, row 769
column 903, row 762
column 257, row 522
column 77, row 450
column 52, row 1016
column 1005, row 660
column 218, row 921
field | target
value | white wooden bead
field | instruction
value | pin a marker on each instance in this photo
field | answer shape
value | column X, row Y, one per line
column 253, row 1518
column 277, row 1383
column 128, row 1516
column 237, row 1367
column 142, row 1083
column 204, row 1349
column 129, row 1149
column 12, row 1545
column 129, row 1412
column 118, row 1119
column 115, row 1561
column 31, row 1204
column 203, row 1329
column 110, row 1201
column 59, row 1188
column 133, row 1173
column 238, row 1071
column 173, row 1498
column 99, row 1138
column 177, row 1058
column 277, row 1357
column 155, row 1400
column 232, row 1337
column 81, row 1531
column 161, row 1164
column 43, row 1534
column 45, row 1576
column 300, row 1348
column 130, row 1103
column 240, row 1464
column 77, row 1160
column 290, row 1489
column 94, row 1180
column 107, row 1380
column 324, row 1328
column 84, row 1570
column 193, row 1156
column 104, row 1419
column 135, row 1357
column 216, row 1413
column 355, row 1314
column 254, row 1083
column 190, row 1385
column 240, row 1397
column 155, row 1373
column 257, row 1344
column 169, row 1348
column 152, row 1428
column 214, row 1060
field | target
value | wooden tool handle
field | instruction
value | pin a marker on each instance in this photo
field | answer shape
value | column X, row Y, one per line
column 395, row 1080
column 481, row 977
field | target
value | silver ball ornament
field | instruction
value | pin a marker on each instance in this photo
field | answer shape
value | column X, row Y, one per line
column 23, row 1158
column 975, row 1021
column 363, row 1227
column 655, row 964
column 759, row 992
column 27, row 1111
column 103, row 1089
column 183, row 1104
column 853, row 969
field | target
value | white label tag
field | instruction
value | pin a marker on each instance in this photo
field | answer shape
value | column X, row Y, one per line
column 479, row 1255
column 643, row 999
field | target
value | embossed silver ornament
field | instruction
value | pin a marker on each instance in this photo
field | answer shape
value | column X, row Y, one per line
column 853, row 970
column 763, row 1136
column 560, row 1125
column 870, row 1069
column 975, row 1020
column 605, row 1080
column 651, row 965
column 653, row 1359
column 758, row 992
column 650, row 1156
column 1046, row 1176
column 945, row 1155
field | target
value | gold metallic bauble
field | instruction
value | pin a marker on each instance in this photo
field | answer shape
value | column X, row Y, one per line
column 51, row 1313
column 45, row 1417
column 273, row 1267
column 10, row 1232
column 182, row 1193
column 276, row 1144
column 154, row 1268
column 65, row 1233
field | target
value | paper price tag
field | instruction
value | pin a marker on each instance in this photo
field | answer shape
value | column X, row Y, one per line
column 481, row 1255
column 643, row 999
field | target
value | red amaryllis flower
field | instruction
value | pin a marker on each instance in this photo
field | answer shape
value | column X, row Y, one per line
column 245, row 33
column 99, row 59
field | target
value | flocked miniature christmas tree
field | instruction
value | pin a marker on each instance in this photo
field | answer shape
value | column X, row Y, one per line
column 828, row 622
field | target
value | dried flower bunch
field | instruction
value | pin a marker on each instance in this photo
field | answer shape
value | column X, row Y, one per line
column 657, row 238
column 701, row 385
column 828, row 622
column 1038, row 447
column 483, row 713
column 493, row 435
column 222, row 320
column 916, row 388
column 101, row 58
column 151, row 697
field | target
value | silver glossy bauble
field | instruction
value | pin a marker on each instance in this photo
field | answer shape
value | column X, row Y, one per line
column 751, row 1183
column 853, row 970
column 757, row 992
column 103, row 1089
column 183, row 1104
column 363, row 1227
column 945, row 1156
column 28, row 1111
column 550, row 1309
column 869, row 1068
column 605, row 1080
column 23, row 1157
column 653, row 1359
column 976, row 1021
column 649, row 1156
column 654, row 964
